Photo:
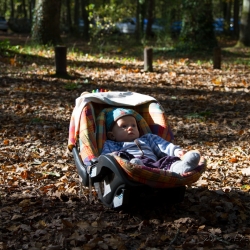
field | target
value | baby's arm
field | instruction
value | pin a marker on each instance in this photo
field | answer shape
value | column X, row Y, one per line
column 106, row 149
column 159, row 146
column 110, row 147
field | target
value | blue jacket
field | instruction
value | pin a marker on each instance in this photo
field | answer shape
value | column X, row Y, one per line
column 153, row 146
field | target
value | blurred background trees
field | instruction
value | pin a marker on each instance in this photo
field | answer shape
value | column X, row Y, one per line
column 197, row 25
column 244, row 38
column 46, row 22
column 188, row 23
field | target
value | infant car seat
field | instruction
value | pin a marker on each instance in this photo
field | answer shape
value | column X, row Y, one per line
column 114, row 178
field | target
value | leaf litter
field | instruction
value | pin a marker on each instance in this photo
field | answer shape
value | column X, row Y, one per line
column 43, row 205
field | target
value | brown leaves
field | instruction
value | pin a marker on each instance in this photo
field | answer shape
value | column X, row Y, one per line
column 25, row 174
column 41, row 204
column 217, row 81
column 233, row 160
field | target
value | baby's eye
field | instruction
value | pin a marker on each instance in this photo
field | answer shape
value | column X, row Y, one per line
column 124, row 126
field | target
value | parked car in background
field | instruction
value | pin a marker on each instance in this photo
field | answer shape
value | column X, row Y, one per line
column 3, row 24
column 218, row 25
column 81, row 24
column 176, row 27
column 126, row 26
column 157, row 25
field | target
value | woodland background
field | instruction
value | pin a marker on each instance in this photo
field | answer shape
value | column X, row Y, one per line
column 47, row 19
column 43, row 205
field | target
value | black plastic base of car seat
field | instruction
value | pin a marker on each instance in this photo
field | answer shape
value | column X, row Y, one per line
column 114, row 188
column 153, row 197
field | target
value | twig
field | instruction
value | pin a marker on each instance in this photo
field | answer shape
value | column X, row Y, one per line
column 241, row 150
column 175, row 238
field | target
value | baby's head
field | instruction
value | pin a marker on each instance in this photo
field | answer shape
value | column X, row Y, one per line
column 121, row 125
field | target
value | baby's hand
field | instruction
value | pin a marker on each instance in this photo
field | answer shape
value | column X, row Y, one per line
column 180, row 153
column 114, row 153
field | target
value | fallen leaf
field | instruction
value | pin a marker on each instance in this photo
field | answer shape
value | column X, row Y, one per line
column 245, row 171
column 233, row 160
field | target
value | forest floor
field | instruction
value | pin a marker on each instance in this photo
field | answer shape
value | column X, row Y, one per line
column 43, row 206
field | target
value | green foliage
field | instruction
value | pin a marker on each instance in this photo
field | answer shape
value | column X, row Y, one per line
column 72, row 86
column 203, row 115
column 113, row 12
column 4, row 44
column 7, row 49
column 36, row 120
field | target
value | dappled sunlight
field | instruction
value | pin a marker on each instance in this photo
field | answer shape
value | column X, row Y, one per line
column 41, row 196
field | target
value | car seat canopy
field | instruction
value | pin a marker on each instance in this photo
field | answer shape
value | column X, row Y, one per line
column 84, row 125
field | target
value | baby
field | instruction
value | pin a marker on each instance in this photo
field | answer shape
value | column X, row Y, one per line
column 149, row 150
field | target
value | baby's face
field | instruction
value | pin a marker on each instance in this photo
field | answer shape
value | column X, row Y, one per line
column 125, row 129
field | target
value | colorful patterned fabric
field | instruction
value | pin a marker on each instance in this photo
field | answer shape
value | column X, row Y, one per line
column 86, row 137
column 159, row 178
column 155, row 116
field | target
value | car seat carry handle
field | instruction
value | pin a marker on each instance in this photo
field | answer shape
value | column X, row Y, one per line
column 81, row 168
column 107, row 163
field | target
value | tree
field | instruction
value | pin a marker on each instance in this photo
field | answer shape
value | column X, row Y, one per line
column 244, row 39
column 228, row 7
column 76, row 13
column 31, row 8
column 85, row 18
column 68, row 16
column 46, row 26
column 23, row 6
column 12, row 8
column 150, row 17
column 197, row 26
column 236, row 18
column 138, row 22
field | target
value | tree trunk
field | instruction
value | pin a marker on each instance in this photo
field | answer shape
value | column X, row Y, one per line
column 46, row 27
column 12, row 9
column 148, row 59
column 143, row 9
column 138, row 21
column 244, row 38
column 24, row 9
column 69, row 18
column 61, row 60
column 5, row 6
column 76, row 14
column 85, row 17
column 150, row 18
column 217, row 58
column 224, row 8
column 31, row 9
column 228, row 16
column 236, row 18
